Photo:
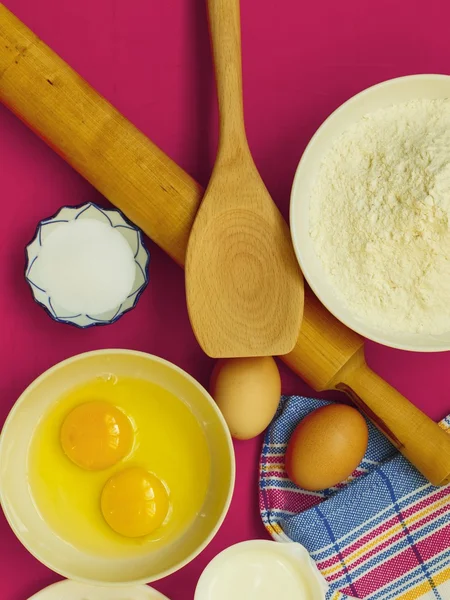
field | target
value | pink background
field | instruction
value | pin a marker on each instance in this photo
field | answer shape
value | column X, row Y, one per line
column 151, row 59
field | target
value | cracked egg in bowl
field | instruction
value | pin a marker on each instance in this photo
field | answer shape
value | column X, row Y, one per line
column 115, row 467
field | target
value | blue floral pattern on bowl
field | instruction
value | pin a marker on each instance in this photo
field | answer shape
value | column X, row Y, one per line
column 112, row 217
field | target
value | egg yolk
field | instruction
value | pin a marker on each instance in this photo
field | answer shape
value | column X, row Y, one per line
column 96, row 435
column 134, row 502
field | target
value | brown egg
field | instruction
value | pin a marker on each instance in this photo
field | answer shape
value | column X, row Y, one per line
column 326, row 447
column 247, row 391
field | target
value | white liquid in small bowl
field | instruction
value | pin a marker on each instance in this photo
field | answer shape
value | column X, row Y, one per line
column 262, row 570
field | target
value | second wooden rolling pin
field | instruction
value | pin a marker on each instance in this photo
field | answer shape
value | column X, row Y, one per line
column 129, row 170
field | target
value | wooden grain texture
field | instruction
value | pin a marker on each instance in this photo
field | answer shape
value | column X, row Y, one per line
column 244, row 288
column 323, row 347
column 123, row 164
column 163, row 200
column 410, row 430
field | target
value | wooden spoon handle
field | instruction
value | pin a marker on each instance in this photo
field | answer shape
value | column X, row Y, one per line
column 225, row 32
column 410, row 430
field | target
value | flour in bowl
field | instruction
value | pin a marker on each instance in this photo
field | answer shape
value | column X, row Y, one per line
column 380, row 217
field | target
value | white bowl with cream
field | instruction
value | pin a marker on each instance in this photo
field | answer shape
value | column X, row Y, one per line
column 263, row 570
column 381, row 96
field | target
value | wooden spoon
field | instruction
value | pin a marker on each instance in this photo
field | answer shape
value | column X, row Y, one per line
column 243, row 284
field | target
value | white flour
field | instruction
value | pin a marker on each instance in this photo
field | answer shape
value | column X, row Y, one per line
column 380, row 217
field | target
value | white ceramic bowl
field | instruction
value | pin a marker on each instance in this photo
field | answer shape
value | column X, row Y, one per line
column 281, row 570
column 379, row 96
column 72, row 590
column 114, row 219
column 17, row 500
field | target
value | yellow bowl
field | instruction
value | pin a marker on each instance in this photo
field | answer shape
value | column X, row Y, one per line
column 16, row 497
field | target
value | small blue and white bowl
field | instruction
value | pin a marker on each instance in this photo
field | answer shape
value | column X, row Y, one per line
column 113, row 218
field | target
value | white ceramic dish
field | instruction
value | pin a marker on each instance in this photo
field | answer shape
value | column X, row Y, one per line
column 71, row 590
column 379, row 96
column 111, row 217
column 17, row 500
column 262, row 569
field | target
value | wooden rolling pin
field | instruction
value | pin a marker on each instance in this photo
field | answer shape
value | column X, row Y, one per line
column 45, row 93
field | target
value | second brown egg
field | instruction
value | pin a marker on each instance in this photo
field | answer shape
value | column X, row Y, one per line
column 326, row 447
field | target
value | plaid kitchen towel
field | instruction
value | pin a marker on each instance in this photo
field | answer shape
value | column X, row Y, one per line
column 382, row 534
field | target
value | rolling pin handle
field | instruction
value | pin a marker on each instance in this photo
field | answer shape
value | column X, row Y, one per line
column 415, row 435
